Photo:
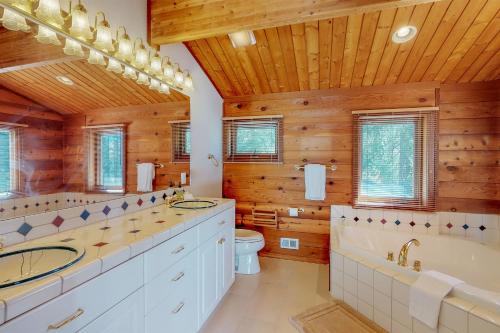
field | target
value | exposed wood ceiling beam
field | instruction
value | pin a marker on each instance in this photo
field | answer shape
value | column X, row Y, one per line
column 177, row 21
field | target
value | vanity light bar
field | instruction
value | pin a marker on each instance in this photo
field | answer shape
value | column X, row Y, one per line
column 83, row 43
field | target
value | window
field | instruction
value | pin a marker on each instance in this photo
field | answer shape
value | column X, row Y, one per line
column 106, row 159
column 255, row 139
column 181, row 140
column 395, row 159
column 9, row 171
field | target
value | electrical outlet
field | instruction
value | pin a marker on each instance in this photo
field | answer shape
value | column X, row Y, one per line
column 289, row 243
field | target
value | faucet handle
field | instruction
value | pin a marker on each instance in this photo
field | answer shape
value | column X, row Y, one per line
column 390, row 256
column 417, row 265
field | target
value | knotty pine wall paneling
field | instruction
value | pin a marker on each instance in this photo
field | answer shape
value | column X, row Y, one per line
column 148, row 140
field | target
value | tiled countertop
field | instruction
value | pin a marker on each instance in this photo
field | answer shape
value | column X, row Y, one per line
column 107, row 244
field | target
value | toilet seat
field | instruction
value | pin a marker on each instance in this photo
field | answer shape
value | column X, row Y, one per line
column 248, row 236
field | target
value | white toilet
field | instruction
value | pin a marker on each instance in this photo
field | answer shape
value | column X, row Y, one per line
column 248, row 243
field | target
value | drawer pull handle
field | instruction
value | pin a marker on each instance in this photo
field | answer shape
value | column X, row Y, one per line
column 178, row 308
column 66, row 321
column 177, row 250
column 222, row 222
column 178, row 277
column 222, row 240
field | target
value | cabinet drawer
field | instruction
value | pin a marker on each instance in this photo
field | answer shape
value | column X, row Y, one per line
column 75, row 309
column 177, row 314
column 215, row 224
column 166, row 254
column 181, row 276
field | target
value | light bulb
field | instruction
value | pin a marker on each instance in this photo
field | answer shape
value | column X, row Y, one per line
column 73, row 48
column 164, row 89
column 141, row 57
column 404, row 34
column 47, row 36
column 179, row 76
column 80, row 27
column 125, row 48
column 13, row 21
column 143, row 79
column 96, row 58
column 188, row 81
column 155, row 85
column 103, row 39
column 50, row 12
column 114, row 66
column 130, row 73
column 242, row 38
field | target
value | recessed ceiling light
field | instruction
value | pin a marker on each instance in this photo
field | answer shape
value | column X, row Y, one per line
column 242, row 38
column 404, row 34
column 65, row 80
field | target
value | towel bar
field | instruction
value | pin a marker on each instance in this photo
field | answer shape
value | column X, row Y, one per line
column 157, row 165
column 332, row 167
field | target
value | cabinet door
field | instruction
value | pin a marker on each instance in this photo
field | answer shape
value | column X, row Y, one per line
column 208, row 277
column 125, row 317
column 226, row 260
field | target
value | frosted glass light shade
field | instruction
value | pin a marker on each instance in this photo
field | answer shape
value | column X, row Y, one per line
column 130, row 73
column 141, row 58
column 13, row 21
column 168, row 72
column 73, row 48
column 50, row 12
column 155, row 85
column 80, row 27
column 143, row 79
column 155, row 67
column 114, row 66
column 47, row 36
column 96, row 58
column 125, row 48
column 164, row 89
column 188, row 82
column 104, row 40
column 179, row 76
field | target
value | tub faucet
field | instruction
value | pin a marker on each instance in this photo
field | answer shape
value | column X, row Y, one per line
column 403, row 254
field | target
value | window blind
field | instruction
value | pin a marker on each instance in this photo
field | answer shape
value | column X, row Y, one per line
column 105, row 158
column 253, row 139
column 181, row 141
column 10, row 146
column 395, row 159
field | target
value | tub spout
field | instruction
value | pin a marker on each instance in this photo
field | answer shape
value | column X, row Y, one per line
column 403, row 254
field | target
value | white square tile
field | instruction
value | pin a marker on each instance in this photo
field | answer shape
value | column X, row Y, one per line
column 337, row 277
column 382, row 302
column 365, row 274
column 398, row 328
column 444, row 329
column 351, row 300
column 479, row 325
column 365, row 293
column 2, row 312
column 382, row 320
column 474, row 220
column 11, row 225
column 12, row 238
column 350, row 284
column 350, row 267
column 337, row 261
column 382, row 283
column 42, row 231
column 453, row 318
column 336, row 211
column 491, row 221
column 365, row 309
column 400, row 313
column 401, row 292
column 71, row 223
column 74, row 278
column 419, row 327
column 337, row 292
column 41, row 219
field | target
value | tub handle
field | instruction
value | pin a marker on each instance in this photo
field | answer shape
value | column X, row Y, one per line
column 417, row 265
column 390, row 256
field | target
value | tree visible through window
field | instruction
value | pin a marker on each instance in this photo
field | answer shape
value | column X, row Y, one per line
column 181, row 140
column 5, row 162
column 111, row 160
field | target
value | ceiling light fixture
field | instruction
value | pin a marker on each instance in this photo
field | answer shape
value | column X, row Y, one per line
column 54, row 25
column 65, row 80
column 404, row 34
column 242, row 38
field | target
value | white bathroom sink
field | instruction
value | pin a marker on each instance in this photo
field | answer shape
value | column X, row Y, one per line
column 193, row 204
column 24, row 265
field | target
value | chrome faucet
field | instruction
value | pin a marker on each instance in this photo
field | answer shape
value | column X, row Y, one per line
column 403, row 254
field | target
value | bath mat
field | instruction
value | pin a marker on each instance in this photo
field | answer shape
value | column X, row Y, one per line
column 333, row 317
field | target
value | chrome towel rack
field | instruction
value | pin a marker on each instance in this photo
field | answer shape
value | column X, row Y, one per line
column 331, row 167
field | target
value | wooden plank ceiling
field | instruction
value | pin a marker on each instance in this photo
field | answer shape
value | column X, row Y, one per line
column 457, row 41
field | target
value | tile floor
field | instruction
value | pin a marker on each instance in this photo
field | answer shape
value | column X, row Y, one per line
column 263, row 303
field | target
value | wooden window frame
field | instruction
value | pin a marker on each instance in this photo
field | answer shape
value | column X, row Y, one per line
column 426, row 149
column 230, row 139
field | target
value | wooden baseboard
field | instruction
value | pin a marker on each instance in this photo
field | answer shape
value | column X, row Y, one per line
column 292, row 257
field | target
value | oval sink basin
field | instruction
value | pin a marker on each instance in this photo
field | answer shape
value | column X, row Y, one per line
column 25, row 265
column 193, row 204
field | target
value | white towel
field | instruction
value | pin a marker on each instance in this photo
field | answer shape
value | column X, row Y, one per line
column 427, row 293
column 315, row 179
column 145, row 176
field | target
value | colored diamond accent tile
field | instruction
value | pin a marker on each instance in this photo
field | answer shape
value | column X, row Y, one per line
column 58, row 221
column 427, row 225
column 449, row 225
column 14, row 208
column 133, row 219
column 24, row 229
column 100, row 244
column 383, row 221
column 369, row 220
column 104, row 228
column 85, row 215
column 342, row 217
column 154, row 213
column 106, row 210
column 465, row 226
column 397, row 222
column 482, row 228
column 160, row 222
column 153, row 199
column 140, row 202
column 412, row 223
column 164, row 196
column 356, row 219
column 178, row 214
column 124, row 205
column 65, row 240
column 135, row 231
column 2, row 210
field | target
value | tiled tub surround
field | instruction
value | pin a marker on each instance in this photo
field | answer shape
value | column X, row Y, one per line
column 108, row 244
column 24, row 228
column 22, row 206
column 361, row 277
